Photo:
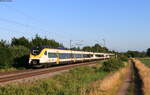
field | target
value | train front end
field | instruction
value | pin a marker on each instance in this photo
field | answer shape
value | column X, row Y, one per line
column 35, row 56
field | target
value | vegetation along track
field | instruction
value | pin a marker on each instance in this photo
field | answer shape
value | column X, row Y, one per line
column 6, row 78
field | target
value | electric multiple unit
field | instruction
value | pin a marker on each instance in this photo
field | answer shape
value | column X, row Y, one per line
column 45, row 56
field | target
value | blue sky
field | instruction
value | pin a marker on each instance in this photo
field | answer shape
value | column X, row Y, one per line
column 124, row 24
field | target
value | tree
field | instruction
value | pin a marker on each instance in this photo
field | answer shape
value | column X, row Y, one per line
column 22, row 41
column 38, row 41
column 76, row 48
column 148, row 52
column 6, row 58
column 95, row 48
column 3, row 44
column 135, row 54
column 87, row 48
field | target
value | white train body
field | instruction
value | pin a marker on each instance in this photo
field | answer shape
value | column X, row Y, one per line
column 49, row 56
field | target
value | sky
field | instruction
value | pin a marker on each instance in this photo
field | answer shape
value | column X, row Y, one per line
column 124, row 24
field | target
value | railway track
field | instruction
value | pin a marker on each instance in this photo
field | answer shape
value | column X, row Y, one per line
column 26, row 75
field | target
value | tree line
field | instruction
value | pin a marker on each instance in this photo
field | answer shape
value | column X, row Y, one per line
column 137, row 53
column 16, row 52
column 37, row 41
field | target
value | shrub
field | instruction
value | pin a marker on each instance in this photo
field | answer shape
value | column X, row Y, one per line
column 6, row 59
column 20, row 56
column 16, row 56
column 21, row 61
column 146, row 62
column 18, row 51
column 111, row 65
column 123, row 58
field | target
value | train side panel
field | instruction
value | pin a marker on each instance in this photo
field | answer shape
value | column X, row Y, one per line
column 57, row 56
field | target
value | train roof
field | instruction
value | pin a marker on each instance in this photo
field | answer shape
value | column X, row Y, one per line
column 42, row 47
column 62, row 48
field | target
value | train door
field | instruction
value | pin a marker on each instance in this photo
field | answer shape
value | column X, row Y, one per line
column 57, row 58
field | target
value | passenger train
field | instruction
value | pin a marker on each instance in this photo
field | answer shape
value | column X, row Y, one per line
column 44, row 56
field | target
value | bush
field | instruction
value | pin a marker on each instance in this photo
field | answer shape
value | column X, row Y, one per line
column 111, row 65
column 16, row 56
column 20, row 56
column 21, row 62
column 123, row 58
column 6, row 59
column 18, row 51
column 146, row 62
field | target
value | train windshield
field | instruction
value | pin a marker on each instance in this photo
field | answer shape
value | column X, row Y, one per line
column 36, row 50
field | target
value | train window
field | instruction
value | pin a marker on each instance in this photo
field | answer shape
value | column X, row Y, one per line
column 71, row 55
column 91, row 55
column 81, row 55
column 35, row 52
column 52, row 55
column 64, row 55
column 99, row 55
column 78, row 55
column 45, row 53
column 61, row 56
column 68, row 55
column 86, row 55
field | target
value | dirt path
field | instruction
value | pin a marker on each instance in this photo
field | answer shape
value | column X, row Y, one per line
column 138, row 82
column 126, row 84
column 132, row 84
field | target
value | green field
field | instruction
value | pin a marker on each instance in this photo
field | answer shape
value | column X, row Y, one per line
column 145, row 61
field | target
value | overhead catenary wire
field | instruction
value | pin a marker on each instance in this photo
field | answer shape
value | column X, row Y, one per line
column 21, row 24
column 34, row 19
column 11, row 31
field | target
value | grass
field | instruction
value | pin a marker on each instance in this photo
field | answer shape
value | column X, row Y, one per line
column 145, row 76
column 75, row 82
column 146, row 61
column 8, row 69
column 11, row 69
column 71, row 83
column 110, row 84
